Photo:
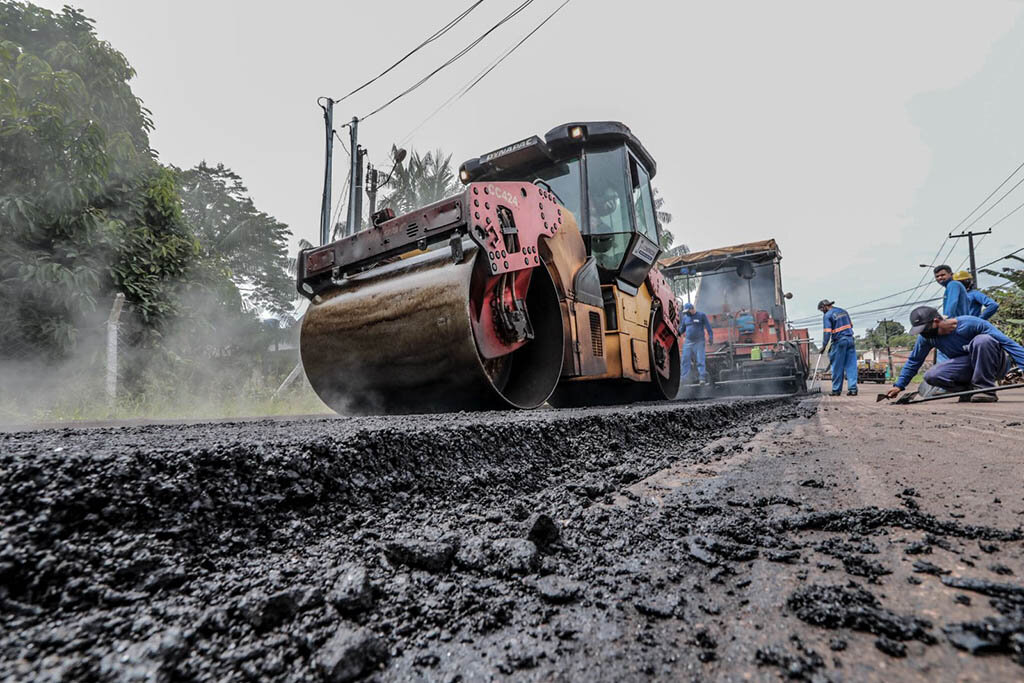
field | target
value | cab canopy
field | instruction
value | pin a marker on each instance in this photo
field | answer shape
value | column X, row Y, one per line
column 756, row 253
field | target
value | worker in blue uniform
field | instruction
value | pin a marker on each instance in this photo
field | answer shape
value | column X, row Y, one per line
column 842, row 354
column 974, row 347
column 692, row 327
column 979, row 304
column 954, row 299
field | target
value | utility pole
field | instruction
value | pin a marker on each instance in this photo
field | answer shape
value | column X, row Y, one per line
column 358, row 225
column 325, row 207
column 888, row 350
column 354, row 191
column 970, row 247
column 372, row 177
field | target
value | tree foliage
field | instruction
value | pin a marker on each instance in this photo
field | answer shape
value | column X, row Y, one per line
column 1010, row 316
column 888, row 331
column 420, row 180
column 247, row 246
column 85, row 210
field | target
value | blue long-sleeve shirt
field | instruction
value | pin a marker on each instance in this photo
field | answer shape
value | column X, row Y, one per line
column 693, row 325
column 954, row 300
column 837, row 324
column 981, row 305
column 955, row 344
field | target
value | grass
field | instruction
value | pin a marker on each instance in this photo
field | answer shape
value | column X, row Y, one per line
column 87, row 402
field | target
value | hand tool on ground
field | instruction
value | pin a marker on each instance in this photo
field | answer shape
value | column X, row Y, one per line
column 912, row 397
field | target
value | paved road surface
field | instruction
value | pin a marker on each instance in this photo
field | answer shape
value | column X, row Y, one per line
column 749, row 540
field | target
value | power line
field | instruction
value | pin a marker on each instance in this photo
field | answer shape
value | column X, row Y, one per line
column 459, row 55
column 1019, row 207
column 807, row 321
column 463, row 89
column 1001, row 258
column 990, row 194
column 434, row 36
column 983, row 214
column 514, row 48
column 811, row 319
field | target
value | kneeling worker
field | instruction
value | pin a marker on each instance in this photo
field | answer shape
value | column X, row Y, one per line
column 979, row 304
column 843, row 354
column 974, row 348
column 692, row 326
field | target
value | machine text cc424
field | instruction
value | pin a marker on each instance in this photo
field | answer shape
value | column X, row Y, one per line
column 536, row 283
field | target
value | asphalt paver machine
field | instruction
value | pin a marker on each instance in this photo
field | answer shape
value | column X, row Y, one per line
column 739, row 288
column 535, row 283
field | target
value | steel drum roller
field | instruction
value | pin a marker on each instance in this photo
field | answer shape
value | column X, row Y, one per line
column 399, row 339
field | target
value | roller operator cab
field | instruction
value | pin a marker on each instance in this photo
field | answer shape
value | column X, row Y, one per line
column 537, row 283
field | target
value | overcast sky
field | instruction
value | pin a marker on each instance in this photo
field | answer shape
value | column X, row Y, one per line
column 857, row 135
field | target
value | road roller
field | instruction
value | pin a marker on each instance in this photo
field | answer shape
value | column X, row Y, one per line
column 537, row 283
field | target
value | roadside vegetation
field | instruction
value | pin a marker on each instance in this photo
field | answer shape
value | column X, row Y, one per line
column 88, row 212
column 1010, row 295
column 209, row 325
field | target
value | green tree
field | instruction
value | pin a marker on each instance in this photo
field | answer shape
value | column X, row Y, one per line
column 85, row 210
column 664, row 218
column 876, row 338
column 1010, row 316
column 420, row 180
column 247, row 246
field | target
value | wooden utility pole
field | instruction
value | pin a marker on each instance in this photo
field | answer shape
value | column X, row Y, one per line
column 970, row 247
column 888, row 350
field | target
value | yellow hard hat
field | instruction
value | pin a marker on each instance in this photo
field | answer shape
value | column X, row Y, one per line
column 962, row 275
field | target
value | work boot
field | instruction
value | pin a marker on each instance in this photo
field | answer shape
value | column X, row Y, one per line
column 984, row 398
column 851, row 392
column 836, row 393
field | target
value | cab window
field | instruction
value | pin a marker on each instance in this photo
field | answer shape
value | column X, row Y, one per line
column 564, row 181
column 643, row 203
column 608, row 201
column 607, row 192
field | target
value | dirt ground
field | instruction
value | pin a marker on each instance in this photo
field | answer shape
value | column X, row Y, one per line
column 817, row 539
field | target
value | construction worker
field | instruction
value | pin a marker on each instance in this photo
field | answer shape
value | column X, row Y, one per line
column 974, row 347
column 954, row 299
column 979, row 304
column 692, row 326
column 842, row 354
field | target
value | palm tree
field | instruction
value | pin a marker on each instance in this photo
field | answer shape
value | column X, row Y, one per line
column 664, row 218
column 420, row 180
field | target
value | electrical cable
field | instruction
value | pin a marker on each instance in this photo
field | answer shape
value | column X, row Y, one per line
column 852, row 312
column 437, row 34
column 514, row 48
column 459, row 55
column 463, row 89
column 983, row 214
column 968, row 257
column 809, row 320
column 1002, row 258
